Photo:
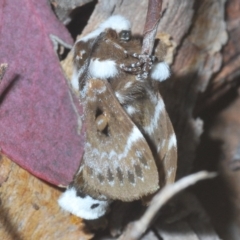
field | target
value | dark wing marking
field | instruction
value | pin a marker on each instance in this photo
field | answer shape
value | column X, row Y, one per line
column 158, row 130
column 118, row 162
column 150, row 115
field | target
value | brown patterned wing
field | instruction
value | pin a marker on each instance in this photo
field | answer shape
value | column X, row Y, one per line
column 147, row 110
column 159, row 132
column 118, row 162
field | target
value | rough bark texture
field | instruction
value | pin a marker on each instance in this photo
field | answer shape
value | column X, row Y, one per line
column 205, row 69
column 29, row 208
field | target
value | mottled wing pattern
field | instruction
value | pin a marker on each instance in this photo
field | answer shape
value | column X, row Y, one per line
column 162, row 140
column 147, row 110
column 117, row 162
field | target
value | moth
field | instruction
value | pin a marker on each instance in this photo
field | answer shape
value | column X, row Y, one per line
column 130, row 150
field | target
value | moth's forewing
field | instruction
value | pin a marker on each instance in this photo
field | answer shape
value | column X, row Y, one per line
column 117, row 162
column 162, row 141
column 152, row 119
column 167, row 151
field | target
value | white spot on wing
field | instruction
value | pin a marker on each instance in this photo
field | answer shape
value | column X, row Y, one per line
column 103, row 69
column 128, row 85
column 111, row 183
column 154, row 121
column 172, row 141
column 134, row 136
column 130, row 110
column 161, row 145
column 120, row 97
column 79, row 57
column 81, row 207
column 160, row 71
column 116, row 157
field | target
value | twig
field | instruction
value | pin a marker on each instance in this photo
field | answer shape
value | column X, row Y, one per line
column 151, row 25
column 3, row 68
column 149, row 33
column 135, row 229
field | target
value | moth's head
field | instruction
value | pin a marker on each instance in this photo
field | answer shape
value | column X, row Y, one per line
column 120, row 25
column 123, row 36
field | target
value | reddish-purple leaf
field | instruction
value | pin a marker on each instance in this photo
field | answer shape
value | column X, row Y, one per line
column 38, row 124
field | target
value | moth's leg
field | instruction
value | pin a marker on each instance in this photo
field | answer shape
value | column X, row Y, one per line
column 143, row 58
column 132, row 68
column 142, row 66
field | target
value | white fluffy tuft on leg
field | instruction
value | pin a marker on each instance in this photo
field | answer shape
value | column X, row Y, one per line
column 84, row 207
column 160, row 72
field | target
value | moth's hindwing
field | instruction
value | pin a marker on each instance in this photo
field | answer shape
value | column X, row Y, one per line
column 117, row 162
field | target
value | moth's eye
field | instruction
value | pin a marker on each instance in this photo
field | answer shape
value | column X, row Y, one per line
column 101, row 122
column 125, row 35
